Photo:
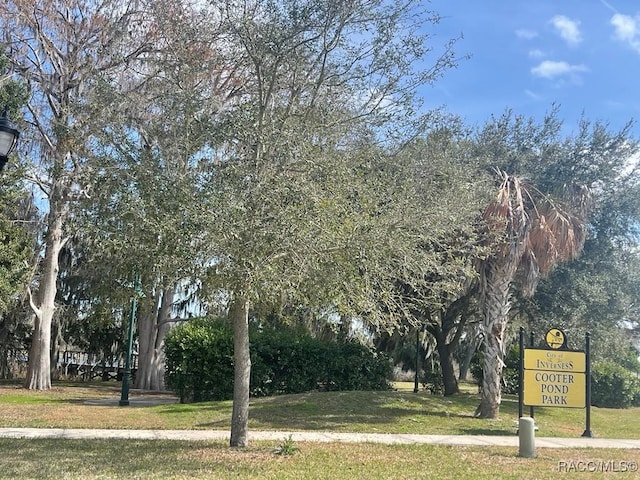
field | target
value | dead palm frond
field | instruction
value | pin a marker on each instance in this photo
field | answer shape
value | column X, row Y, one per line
column 532, row 230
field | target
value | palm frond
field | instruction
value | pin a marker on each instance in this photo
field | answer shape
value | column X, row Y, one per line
column 535, row 231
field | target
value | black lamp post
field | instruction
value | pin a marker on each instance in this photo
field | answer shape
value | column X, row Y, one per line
column 124, row 394
column 8, row 138
column 416, row 379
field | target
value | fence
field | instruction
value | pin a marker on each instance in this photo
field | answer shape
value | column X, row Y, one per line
column 70, row 364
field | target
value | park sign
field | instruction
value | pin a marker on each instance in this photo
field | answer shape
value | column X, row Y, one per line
column 555, row 376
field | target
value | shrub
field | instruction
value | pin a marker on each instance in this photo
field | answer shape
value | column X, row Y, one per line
column 614, row 386
column 285, row 362
column 350, row 365
column 199, row 363
column 199, row 360
column 432, row 380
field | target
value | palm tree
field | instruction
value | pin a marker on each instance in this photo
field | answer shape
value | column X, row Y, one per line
column 530, row 233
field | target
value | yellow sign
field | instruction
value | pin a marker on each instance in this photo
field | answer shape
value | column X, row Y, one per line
column 554, row 378
column 555, row 360
column 555, row 338
column 554, row 389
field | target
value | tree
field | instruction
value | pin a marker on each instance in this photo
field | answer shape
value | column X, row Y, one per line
column 16, row 232
column 531, row 234
column 15, row 204
column 293, row 201
column 151, row 167
column 598, row 292
column 538, row 223
column 60, row 48
column 448, row 194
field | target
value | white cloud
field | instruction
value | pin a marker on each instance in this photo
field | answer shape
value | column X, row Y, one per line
column 568, row 29
column 532, row 95
column 552, row 69
column 526, row 34
column 627, row 30
column 536, row 53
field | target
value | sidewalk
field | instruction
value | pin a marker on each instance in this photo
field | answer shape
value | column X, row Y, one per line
column 386, row 438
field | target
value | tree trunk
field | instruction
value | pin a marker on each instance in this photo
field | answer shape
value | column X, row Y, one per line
column 449, row 379
column 57, row 344
column 239, row 315
column 451, row 320
column 446, row 365
column 39, row 369
column 470, row 350
column 152, row 329
column 496, row 305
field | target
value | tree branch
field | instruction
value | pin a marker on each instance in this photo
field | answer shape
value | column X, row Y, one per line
column 37, row 311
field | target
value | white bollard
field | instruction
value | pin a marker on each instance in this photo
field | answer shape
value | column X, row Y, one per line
column 526, row 437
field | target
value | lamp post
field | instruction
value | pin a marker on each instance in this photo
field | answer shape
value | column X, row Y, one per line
column 417, row 377
column 8, row 138
column 124, row 394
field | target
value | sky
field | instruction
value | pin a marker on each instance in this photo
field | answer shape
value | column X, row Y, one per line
column 526, row 55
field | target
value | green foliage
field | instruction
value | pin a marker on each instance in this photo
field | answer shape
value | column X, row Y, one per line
column 509, row 372
column 98, row 331
column 13, row 95
column 16, row 245
column 285, row 362
column 199, row 362
column 15, row 250
column 627, row 356
column 432, row 380
column 592, row 293
column 613, row 386
column 354, row 366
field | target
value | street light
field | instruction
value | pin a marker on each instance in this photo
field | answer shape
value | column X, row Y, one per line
column 8, row 138
column 415, row 381
column 124, row 393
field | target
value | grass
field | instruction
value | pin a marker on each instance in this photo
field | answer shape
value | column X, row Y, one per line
column 400, row 411
column 75, row 459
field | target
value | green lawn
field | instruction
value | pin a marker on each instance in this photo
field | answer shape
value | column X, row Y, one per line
column 399, row 411
column 122, row 459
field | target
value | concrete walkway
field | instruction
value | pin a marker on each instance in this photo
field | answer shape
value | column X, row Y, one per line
column 299, row 436
column 306, row 436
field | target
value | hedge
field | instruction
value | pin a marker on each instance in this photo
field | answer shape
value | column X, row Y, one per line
column 198, row 354
column 199, row 362
column 614, row 386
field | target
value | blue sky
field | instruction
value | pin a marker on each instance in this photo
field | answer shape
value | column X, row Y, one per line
column 584, row 55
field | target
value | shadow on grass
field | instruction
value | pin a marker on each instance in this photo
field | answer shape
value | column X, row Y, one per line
column 319, row 411
column 391, row 411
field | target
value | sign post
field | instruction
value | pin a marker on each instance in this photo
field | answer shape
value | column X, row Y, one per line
column 587, row 348
column 555, row 376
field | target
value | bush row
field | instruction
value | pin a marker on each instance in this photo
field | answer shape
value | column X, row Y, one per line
column 199, row 362
column 614, row 386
